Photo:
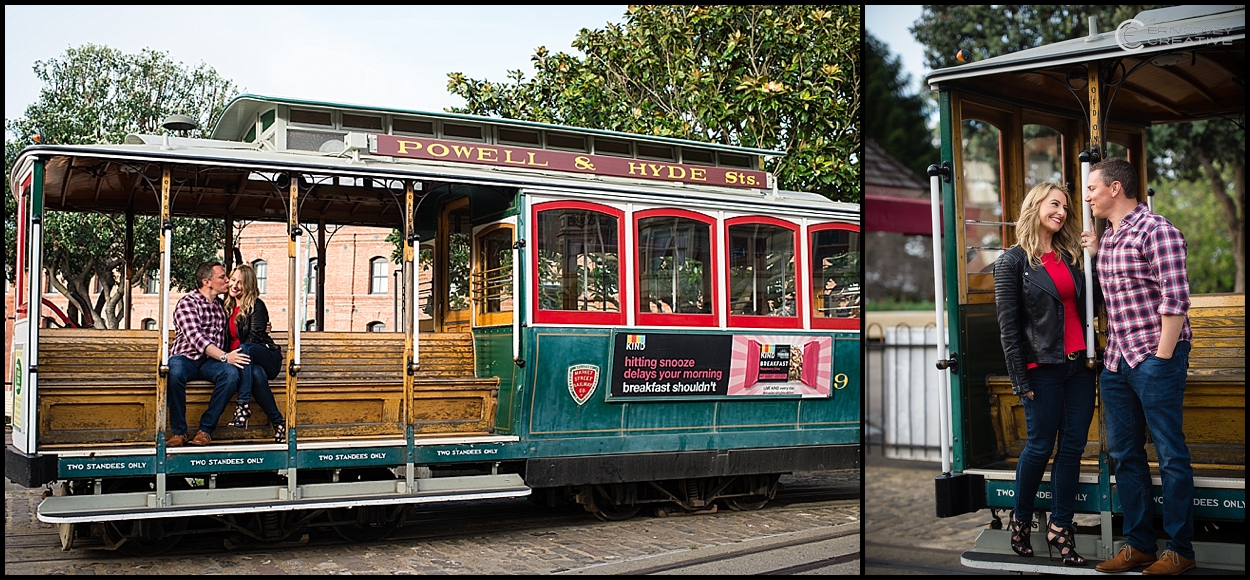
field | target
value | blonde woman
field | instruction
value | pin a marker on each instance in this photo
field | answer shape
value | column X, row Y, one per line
column 1039, row 291
column 248, row 319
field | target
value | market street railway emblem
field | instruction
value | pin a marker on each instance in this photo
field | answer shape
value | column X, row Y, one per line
column 582, row 382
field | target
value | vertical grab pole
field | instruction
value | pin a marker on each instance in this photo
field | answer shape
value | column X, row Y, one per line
column 293, row 332
column 411, row 335
column 162, row 374
column 518, row 242
column 1087, row 224
column 410, row 332
column 935, row 187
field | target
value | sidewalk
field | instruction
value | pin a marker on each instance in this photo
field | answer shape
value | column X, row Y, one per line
column 899, row 507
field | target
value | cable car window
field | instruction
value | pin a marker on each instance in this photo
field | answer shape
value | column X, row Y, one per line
column 762, row 269
column 578, row 263
column 835, row 276
column 1043, row 155
column 984, row 224
column 493, row 278
column 675, row 268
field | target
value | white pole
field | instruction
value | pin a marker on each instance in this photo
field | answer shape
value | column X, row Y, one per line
column 301, row 298
column 166, row 323
column 1087, row 223
column 935, row 186
column 414, row 295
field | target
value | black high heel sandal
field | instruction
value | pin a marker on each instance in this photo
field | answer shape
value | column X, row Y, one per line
column 1020, row 543
column 242, row 414
column 279, row 433
column 1062, row 539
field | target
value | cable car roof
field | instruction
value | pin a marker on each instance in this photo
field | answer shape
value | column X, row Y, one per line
column 228, row 177
column 1186, row 63
column 238, row 116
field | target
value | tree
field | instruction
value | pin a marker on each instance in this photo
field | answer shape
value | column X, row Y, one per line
column 784, row 78
column 1212, row 154
column 95, row 94
column 1210, row 256
column 1214, row 150
column 992, row 30
column 896, row 119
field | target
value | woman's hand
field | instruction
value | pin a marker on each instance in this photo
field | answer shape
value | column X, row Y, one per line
column 1029, row 395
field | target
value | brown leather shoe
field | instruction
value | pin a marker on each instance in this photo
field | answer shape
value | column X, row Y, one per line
column 202, row 438
column 1127, row 559
column 1169, row 563
column 176, row 441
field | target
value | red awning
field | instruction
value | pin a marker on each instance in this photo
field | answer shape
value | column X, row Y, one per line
column 909, row 216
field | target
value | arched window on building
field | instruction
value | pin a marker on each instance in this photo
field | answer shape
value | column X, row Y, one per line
column 149, row 324
column 376, row 327
column 310, row 279
column 152, row 282
column 310, row 326
column 262, row 274
column 378, row 274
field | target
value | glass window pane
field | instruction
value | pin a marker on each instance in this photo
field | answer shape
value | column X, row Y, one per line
column 674, row 263
column 761, row 270
column 261, row 268
column 578, row 261
column 835, row 273
column 495, row 280
column 984, row 228
column 378, row 275
column 1043, row 155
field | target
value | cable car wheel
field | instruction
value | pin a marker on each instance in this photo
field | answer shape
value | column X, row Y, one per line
column 763, row 488
column 367, row 523
column 141, row 537
column 614, row 502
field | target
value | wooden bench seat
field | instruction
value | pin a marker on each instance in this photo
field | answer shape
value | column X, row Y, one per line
column 98, row 387
column 1215, row 387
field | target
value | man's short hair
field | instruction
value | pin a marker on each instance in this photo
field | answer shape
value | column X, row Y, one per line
column 1118, row 169
column 205, row 271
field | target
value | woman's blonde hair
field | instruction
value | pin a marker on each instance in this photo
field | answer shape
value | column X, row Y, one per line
column 251, row 291
column 1029, row 222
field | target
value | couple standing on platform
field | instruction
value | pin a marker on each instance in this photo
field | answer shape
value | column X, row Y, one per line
column 227, row 344
column 1039, row 291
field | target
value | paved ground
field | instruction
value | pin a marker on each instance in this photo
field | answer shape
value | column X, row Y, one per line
column 901, row 533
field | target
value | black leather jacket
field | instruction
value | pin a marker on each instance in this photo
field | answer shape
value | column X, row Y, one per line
column 252, row 326
column 1030, row 314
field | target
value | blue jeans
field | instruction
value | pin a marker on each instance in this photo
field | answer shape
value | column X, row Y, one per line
column 1151, row 397
column 254, row 380
column 225, row 379
column 1062, row 407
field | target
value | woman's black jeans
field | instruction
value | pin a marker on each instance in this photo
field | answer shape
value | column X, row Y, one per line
column 254, row 379
column 1062, row 407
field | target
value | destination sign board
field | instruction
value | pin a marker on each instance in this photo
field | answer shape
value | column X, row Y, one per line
column 505, row 156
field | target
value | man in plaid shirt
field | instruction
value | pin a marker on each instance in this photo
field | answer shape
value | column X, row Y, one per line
column 1141, row 268
column 198, row 353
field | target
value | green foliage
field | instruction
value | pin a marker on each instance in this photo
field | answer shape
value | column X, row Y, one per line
column 896, row 119
column 992, row 30
column 92, row 95
column 1190, row 207
column 784, row 78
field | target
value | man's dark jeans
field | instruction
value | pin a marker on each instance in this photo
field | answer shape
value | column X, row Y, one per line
column 1151, row 397
column 225, row 379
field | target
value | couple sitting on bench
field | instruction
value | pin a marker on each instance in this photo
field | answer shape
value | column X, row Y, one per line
column 227, row 344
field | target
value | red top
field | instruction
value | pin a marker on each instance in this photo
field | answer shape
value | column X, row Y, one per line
column 1073, row 338
column 232, row 330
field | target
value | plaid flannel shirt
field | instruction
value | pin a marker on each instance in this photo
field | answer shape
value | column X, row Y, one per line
column 198, row 322
column 1141, row 268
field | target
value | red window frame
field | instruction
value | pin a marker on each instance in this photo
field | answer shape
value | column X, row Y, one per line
column 659, row 319
column 800, row 261
column 543, row 316
column 834, row 323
